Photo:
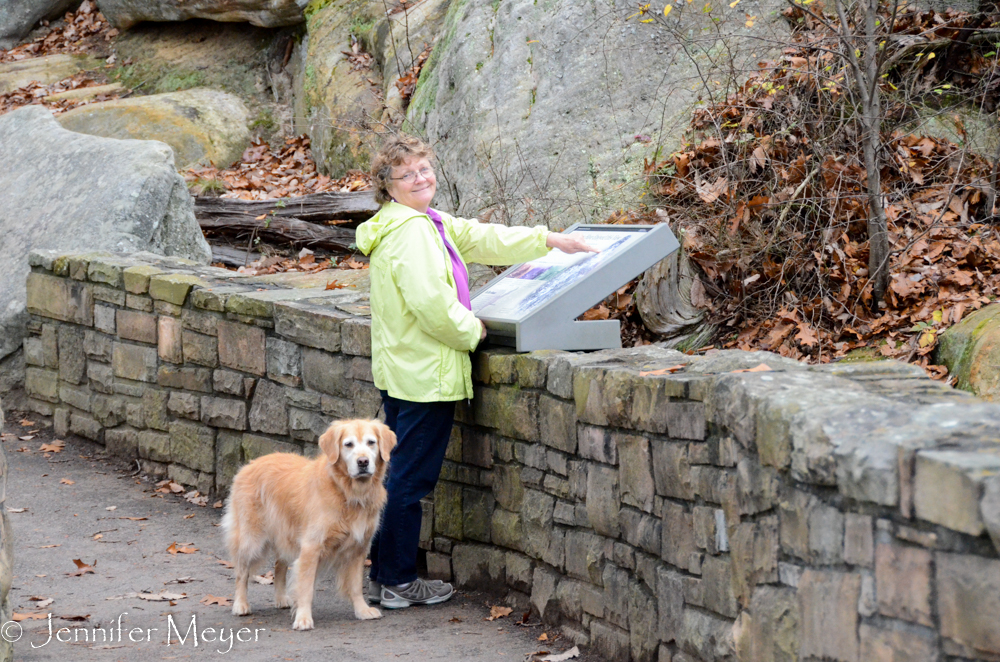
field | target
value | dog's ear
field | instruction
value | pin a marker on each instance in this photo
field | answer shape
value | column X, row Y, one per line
column 386, row 440
column 329, row 441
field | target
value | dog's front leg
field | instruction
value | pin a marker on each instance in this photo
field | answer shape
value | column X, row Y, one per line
column 241, row 607
column 304, row 582
column 280, row 588
column 353, row 585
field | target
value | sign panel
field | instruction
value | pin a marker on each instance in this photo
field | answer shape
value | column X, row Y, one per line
column 534, row 305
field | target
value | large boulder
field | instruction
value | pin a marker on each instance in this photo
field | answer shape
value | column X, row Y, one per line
column 43, row 70
column 69, row 191
column 546, row 111
column 17, row 17
column 971, row 350
column 202, row 126
column 348, row 66
column 265, row 13
column 541, row 111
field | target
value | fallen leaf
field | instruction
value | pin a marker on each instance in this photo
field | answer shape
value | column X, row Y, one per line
column 16, row 510
column 67, row 481
column 216, row 600
column 74, row 617
column 265, row 579
column 763, row 367
column 161, row 597
column 27, row 437
column 49, row 546
column 56, row 446
column 334, row 285
column 662, row 371
column 182, row 580
column 217, row 504
column 561, row 657
column 175, row 550
column 111, row 508
column 98, row 536
column 82, row 568
column 134, row 519
column 455, row 619
column 189, row 516
column 17, row 617
column 25, row 423
column 227, row 564
column 496, row 611
column 543, row 636
column 351, row 263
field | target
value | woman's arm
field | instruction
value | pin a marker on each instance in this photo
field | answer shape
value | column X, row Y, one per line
column 423, row 283
column 487, row 243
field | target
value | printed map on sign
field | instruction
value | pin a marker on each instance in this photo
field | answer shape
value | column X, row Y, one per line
column 524, row 288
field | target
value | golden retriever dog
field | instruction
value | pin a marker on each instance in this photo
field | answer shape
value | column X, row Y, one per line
column 318, row 514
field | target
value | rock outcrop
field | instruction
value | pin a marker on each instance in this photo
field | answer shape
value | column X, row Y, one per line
column 971, row 350
column 540, row 111
column 6, row 556
column 62, row 190
column 265, row 13
column 17, row 17
column 44, row 70
column 201, row 125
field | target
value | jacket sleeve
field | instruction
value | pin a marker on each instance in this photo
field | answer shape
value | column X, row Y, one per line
column 488, row 243
column 423, row 283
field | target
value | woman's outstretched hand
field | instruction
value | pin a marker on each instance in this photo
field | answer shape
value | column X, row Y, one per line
column 482, row 334
column 568, row 243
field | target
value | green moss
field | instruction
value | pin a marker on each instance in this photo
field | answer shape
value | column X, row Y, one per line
column 157, row 78
column 314, row 7
column 425, row 93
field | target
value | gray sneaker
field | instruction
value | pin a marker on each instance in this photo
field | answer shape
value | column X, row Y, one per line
column 375, row 590
column 419, row 592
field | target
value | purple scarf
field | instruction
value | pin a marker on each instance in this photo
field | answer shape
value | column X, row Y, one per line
column 457, row 268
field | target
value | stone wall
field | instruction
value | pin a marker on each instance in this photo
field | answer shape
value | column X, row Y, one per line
column 654, row 505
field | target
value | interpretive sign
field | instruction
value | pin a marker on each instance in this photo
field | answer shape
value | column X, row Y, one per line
column 534, row 305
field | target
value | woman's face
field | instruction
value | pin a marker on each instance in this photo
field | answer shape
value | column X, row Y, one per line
column 413, row 184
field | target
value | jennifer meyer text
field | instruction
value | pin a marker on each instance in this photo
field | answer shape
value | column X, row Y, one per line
column 181, row 632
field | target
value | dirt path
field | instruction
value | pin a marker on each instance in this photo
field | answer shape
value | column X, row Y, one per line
column 83, row 506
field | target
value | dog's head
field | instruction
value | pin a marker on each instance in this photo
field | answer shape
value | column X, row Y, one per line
column 361, row 447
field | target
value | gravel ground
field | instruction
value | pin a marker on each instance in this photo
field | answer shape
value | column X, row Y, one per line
column 81, row 505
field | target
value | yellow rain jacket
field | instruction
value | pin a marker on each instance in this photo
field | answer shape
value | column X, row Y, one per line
column 421, row 334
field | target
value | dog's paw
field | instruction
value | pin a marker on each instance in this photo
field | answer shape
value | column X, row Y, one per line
column 303, row 622
column 241, row 608
column 367, row 613
column 283, row 602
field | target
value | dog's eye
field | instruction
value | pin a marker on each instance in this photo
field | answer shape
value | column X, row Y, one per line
column 371, row 442
column 348, row 444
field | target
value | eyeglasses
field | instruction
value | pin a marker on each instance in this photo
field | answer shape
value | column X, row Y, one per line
column 410, row 177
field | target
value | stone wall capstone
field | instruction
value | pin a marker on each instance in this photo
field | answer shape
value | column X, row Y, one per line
column 654, row 505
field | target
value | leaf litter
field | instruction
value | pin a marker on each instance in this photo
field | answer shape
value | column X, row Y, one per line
column 769, row 203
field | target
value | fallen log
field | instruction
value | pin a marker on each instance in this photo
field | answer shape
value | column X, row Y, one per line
column 316, row 207
column 277, row 228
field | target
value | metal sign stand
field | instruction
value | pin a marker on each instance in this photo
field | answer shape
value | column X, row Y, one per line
column 534, row 305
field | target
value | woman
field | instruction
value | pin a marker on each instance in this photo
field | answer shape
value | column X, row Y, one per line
column 423, row 329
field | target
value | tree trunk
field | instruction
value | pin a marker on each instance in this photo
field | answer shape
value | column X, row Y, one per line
column 878, row 225
column 292, row 230
column 316, row 207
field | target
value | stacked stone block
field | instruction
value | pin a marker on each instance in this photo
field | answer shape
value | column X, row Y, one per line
column 844, row 512
column 191, row 370
column 6, row 556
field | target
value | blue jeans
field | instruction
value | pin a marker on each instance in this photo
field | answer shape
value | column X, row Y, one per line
column 422, row 433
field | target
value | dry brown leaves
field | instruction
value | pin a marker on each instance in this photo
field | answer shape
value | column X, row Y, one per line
column 84, row 31
column 773, row 210
column 82, row 568
column 266, row 173
column 407, row 83
column 35, row 94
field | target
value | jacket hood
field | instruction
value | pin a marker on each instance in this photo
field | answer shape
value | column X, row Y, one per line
column 389, row 218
